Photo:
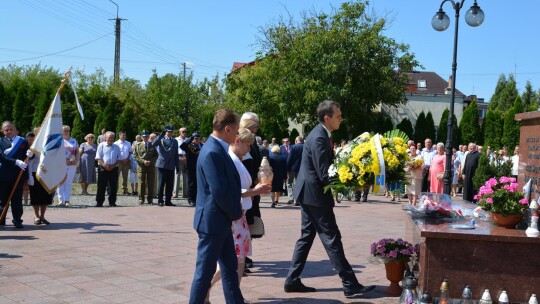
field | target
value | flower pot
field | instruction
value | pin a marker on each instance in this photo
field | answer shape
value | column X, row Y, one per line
column 508, row 221
column 395, row 271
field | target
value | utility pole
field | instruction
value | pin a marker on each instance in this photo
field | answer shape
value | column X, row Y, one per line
column 117, row 46
column 184, row 69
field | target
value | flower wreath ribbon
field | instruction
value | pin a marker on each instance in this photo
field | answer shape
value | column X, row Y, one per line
column 378, row 162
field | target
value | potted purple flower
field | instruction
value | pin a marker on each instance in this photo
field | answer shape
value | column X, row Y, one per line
column 394, row 253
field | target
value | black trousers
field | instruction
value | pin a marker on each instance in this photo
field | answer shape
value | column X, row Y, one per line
column 165, row 183
column 107, row 179
column 322, row 221
column 16, row 201
column 425, row 182
column 192, row 184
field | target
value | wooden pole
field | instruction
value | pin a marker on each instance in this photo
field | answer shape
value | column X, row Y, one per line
column 8, row 202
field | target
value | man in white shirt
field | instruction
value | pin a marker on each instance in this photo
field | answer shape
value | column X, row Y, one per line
column 183, row 166
column 427, row 155
column 124, row 164
column 515, row 162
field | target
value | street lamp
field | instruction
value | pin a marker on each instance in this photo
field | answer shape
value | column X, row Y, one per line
column 440, row 22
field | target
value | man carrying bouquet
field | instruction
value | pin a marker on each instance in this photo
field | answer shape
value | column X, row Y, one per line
column 317, row 206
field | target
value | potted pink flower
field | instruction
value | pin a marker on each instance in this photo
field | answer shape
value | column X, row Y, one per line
column 502, row 198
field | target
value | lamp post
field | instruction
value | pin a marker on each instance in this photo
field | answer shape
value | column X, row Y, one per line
column 440, row 22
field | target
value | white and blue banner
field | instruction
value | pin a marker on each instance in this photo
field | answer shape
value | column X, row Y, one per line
column 49, row 144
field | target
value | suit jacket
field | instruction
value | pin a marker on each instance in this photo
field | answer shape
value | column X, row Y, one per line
column 283, row 151
column 8, row 170
column 140, row 153
column 264, row 151
column 317, row 156
column 168, row 153
column 295, row 158
column 218, row 190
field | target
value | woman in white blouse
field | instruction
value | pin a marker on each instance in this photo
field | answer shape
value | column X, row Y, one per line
column 72, row 161
column 240, row 229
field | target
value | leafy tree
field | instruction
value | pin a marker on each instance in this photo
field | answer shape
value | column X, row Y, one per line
column 419, row 129
column 511, row 129
column 469, row 125
column 406, row 126
column 300, row 64
column 430, row 126
column 493, row 129
column 501, row 84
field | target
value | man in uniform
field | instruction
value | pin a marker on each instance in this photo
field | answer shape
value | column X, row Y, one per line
column 146, row 155
column 13, row 152
column 167, row 163
column 192, row 148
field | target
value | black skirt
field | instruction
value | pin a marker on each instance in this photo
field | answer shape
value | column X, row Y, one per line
column 38, row 194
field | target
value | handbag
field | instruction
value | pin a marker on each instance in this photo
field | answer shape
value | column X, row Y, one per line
column 257, row 228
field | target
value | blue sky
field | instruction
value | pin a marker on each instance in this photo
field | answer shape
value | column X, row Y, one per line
column 210, row 35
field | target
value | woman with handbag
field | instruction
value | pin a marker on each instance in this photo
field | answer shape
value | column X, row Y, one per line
column 240, row 229
column 436, row 170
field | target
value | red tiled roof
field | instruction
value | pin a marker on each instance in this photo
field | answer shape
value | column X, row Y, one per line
column 435, row 84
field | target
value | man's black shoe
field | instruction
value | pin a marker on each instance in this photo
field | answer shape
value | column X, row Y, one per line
column 18, row 225
column 290, row 202
column 191, row 203
column 298, row 287
column 358, row 290
column 249, row 263
column 98, row 205
column 170, row 204
column 113, row 205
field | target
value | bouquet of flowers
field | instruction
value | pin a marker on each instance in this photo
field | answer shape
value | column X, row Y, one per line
column 501, row 196
column 434, row 205
column 356, row 164
column 416, row 163
column 388, row 250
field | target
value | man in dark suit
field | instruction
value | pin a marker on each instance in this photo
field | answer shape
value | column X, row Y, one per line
column 167, row 162
column 192, row 146
column 317, row 206
column 294, row 159
column 146, row 156
column 218, row 204
column 13, row 152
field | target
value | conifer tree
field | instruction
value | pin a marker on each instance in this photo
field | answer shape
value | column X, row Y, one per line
column 419, row 129
column 443, row 127
column 469, row 125
column 430, row 127
column 493, row 129
column 510, row 138
column 406, row 126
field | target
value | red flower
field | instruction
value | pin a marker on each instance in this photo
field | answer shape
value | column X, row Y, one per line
column 237, row 249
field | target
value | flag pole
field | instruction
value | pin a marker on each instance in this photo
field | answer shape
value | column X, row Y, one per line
column 6, row 206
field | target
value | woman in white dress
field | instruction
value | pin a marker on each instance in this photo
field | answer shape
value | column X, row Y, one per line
column 415, row 177
column 72, row 161
column 240, row 229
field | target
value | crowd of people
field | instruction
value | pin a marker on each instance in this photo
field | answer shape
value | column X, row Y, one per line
column 218, row 176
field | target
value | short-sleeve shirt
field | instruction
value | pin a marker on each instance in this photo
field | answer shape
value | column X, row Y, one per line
column 109, row 154
column 125, row 149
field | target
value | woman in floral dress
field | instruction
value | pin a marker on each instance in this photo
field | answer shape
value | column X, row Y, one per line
column 415, row 175
column 240, row 229
column 87, row 167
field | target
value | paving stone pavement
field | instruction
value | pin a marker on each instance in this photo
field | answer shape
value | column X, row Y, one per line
column 146, row 254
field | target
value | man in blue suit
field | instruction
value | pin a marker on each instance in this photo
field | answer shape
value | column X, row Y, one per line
column 167, row 162
column 13, row 152
column 218, row 204
column 317, row 206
